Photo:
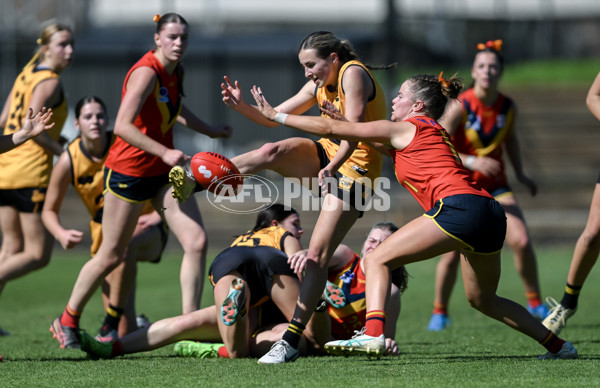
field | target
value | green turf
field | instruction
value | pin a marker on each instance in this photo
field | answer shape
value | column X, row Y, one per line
column 475, row 351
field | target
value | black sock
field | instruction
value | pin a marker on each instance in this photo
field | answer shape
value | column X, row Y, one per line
column 111, row 321
column 570, row 296
column 293, row 333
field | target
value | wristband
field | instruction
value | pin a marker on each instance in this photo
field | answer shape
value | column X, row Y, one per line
column 469, row 160
column 280, row 118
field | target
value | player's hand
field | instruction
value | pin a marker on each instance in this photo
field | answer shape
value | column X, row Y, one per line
column 172, row 157
column 232, row 93
column 146, row 221
column 325, row 180
column 297, row 261
column 391, row 347
column 35, row 125
column 487, row 166
column 70, row 238
column 330, row 110
column 220, row 130
column 530, row 184
column 263, row 105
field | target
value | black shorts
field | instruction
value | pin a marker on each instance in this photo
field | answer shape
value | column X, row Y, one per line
column 501, row 191
column 256, row 265
column 268, row 314
column 598, row 180
column 28, row 200
column 478, row 222
column 164, row 238
column 348, row 190
column 132, row 188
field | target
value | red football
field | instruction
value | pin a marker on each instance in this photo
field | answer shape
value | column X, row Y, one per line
column 216, row 173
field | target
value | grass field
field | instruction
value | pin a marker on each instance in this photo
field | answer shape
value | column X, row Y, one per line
column 556, row 72
column 475, row 351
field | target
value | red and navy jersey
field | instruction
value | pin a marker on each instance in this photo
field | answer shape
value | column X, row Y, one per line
column 482, row 132
column 429, row 167
column 155, row 119
column 351, row 317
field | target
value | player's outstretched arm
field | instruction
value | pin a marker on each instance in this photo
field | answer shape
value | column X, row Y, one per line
column 32, row 127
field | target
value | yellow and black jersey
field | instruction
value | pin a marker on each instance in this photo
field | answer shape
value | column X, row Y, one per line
column 272, row 236
column 87, row 176
column 365, row 161
column 29, row 165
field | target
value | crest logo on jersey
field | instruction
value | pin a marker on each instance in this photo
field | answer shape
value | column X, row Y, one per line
column 163, row 94
column 501, row 121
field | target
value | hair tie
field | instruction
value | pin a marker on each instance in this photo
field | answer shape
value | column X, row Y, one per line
column 444, row 82
column 38, row 41
column 156, row 18
column 495, row 45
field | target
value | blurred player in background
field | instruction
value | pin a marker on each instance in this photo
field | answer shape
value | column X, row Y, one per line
column 137, row 170
column 28, row 132
column 26, row 244
column 82, row 165
column 587, row 248
column 482, row 125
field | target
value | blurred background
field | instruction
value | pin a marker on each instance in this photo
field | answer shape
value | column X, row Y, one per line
column 551, row 50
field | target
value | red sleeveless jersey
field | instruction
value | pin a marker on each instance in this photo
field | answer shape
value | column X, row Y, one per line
column 351, row 317
column 155, row 119
column 430, row 168
column 482, row 132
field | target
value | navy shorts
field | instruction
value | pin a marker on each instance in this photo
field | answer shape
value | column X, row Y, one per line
column 256, row 265
column 348, row 190
column 500, row 191
column 28, row 200
column 164, row 238
column 132, row 188
column 478, row 222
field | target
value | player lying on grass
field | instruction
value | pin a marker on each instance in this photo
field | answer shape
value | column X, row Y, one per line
column 459, row 215
column 346, row 282
column 254, row 288
column 347, row 271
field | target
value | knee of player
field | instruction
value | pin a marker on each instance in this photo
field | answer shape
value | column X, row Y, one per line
column 520, row 242
column 237, row 352
column 196, row 244
column 591, row 237
column 479, row 302
column 372, row 260
column 269, row 152
column 108, row 261
column 40, row 260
